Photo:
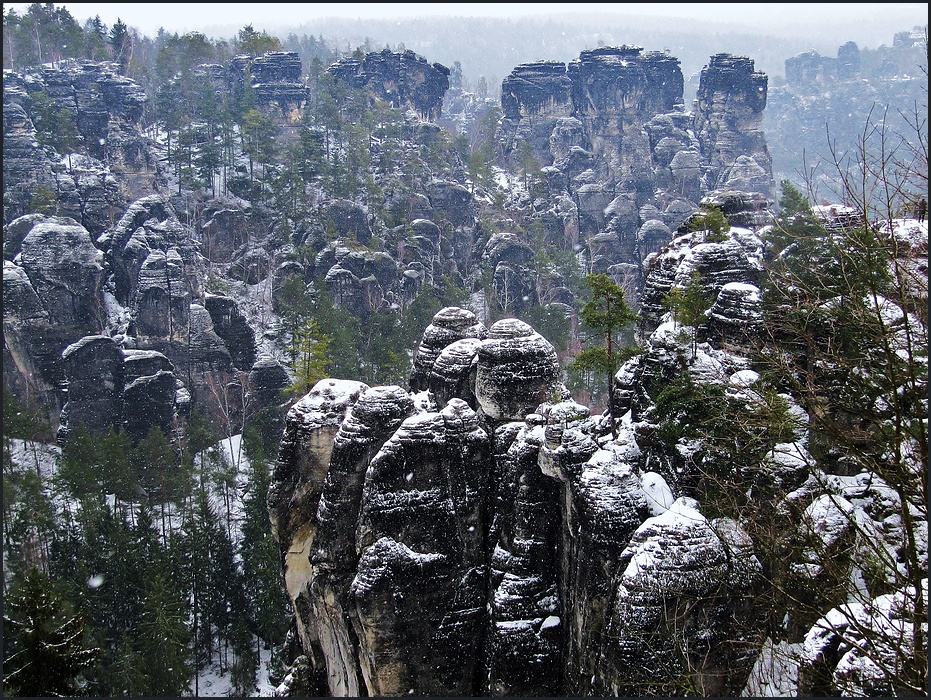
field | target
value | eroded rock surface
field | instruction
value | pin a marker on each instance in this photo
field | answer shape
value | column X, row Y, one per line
column 449, row 325
column 433, row 546
column 624, row 164
column 404, row 79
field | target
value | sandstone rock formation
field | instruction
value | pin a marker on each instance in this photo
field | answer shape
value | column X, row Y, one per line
column 31, row 357
column 624, row 163
column 275, row 79
column 448, row 326
column 727, row 121
column 139, row 289
column 54, row 289
column 472, row 538
column 737, row 259
column 403, row 79
column 584, row 563
column 230, row 324
column 114, row 389
column 66, row 271
column 105, row 109
column 94, row 368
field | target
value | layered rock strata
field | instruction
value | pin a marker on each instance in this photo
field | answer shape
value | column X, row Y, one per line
column 140, row 286
column 114, row 389
column 623, row 162
column 469, row 538
column 54, row 293
column 487, row 535
column 274, row 77
column 403, row 79
column 727, row 121
column 105, row 110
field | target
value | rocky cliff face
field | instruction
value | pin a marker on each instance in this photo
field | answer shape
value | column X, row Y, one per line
column 727, row 120
column 624, row 164
column 274, row 77
column 55, row 288
column 494, row 543
column 80, row 305
column 110, row 160
column 417, row 254
column 487, row 535
column 403, row 79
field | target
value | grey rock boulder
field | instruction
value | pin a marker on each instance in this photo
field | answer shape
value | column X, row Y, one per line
column 517, row 371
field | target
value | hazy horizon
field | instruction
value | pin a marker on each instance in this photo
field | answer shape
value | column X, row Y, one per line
column 864, row 23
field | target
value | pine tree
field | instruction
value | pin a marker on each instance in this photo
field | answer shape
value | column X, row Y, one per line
column 45, row 653
column 121, row 44
column 199, row 437
column 164, row 639
column 30, row 522
column 95, row 39
column 106, row 576
column 117, row 476
column 606, row 314
column 80, row 470
column 55, row 125
column 310, row 350
column 255, row 43
column 129, row 675
column 155, row 465
column 689, row 305
column 711, row 220
column 225, row 599
column 267, row 603
column 258, row 134
column 195, row 561
column 246, row 663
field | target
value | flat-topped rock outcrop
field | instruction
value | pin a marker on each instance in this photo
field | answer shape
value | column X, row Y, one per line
column 401, row 78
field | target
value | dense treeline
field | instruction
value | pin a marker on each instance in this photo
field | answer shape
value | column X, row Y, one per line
column 146, row 587
column 45, row 33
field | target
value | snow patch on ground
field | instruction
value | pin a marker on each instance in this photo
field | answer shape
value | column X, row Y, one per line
column 37, row 456
column 775, row 673
column 213, row 684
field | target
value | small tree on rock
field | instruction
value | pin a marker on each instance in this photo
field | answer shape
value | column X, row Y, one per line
column 689, row 305
column 606, row 314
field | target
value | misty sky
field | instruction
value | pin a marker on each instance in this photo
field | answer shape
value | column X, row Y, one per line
column 223, row 20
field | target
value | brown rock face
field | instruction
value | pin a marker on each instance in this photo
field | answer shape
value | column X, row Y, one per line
column 297, row 483
column 334, row 559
